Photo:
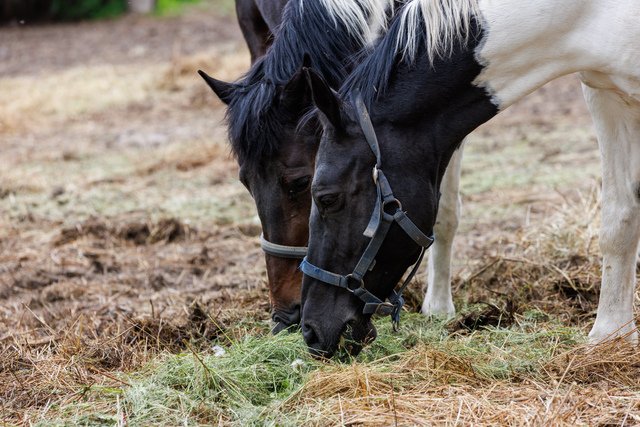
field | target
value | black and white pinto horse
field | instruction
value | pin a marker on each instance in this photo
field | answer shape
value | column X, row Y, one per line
column 443, row 68
column 276, row 158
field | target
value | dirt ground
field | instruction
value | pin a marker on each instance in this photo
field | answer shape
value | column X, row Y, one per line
column 124, row 230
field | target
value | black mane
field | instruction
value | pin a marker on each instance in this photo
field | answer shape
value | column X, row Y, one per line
column 254, row 120
column 373, row 74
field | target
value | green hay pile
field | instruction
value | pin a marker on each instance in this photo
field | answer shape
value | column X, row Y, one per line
column 269, row 380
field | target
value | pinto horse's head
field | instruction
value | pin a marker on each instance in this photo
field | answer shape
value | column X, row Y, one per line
column 344, row 197
column 276, row 162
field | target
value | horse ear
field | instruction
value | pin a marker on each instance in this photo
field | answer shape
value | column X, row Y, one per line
column 222, row 89
column 306, row 61
column 295, row 93
column 324, row 97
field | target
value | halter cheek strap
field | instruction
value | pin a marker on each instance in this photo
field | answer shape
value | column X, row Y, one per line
column 377, row 229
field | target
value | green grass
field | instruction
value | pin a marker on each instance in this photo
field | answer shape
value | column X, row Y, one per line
column 259, row 377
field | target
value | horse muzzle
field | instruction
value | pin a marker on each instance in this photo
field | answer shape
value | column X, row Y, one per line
column 350, row 336
column 288, row 320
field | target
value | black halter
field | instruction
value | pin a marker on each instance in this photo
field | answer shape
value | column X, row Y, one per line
column 377, row 230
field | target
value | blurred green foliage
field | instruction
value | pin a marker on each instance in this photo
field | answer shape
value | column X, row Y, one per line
column 87, row 9
column 71, row 10
column 171, row 7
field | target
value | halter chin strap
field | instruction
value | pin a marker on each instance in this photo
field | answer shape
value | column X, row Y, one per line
column 282, row 251
column 387, row 210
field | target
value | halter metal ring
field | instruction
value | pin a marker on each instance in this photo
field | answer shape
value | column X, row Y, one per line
column 353, row 279
column 392, row 201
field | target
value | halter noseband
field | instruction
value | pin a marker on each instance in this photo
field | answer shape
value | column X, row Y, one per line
column 282, row 251
column 377, row 229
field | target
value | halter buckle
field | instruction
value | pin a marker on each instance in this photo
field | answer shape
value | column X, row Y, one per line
column 375, row 174
column 385, row 308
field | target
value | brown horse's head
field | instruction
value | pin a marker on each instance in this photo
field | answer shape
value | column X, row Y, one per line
column 276, row 161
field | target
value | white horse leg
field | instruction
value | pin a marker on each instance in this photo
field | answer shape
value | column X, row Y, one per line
column 438, row 300
column 617, row 122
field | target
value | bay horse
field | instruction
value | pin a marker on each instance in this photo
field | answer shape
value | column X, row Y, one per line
column 442, row 69
column 276, row 158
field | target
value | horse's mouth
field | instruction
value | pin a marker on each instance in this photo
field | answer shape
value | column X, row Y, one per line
column 285, row 320
column 357, row 335
column 346, row 344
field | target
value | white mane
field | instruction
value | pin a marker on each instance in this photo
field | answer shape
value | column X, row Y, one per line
column 446, row 21
column 365, row 19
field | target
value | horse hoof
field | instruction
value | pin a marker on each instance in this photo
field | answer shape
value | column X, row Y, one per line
column 439, row 309
column 601, row 333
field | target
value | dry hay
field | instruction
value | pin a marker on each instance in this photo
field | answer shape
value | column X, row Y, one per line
column 57, row 369
column 555, row 267
column 95, row 352
column 55, row 360
column 222, row 167
column 585, row 385
column 181, row 74
column 107, row 295
column 166, row 230
column 555, row 272
column 613, row 363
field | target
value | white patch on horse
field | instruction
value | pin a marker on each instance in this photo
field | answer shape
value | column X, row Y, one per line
column 366, row 19
column 618, row 129
column 546, row 39
column 438, row 300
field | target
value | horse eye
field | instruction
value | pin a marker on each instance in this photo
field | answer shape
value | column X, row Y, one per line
column 328, row 200
column 299, row 185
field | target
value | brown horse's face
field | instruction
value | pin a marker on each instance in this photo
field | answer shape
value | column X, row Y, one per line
column 281, row 190
column 276, row 165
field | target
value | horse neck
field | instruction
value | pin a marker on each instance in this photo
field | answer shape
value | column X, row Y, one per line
column 529, row 43
column 429, row 108
column 271, row 11
column 519, row 46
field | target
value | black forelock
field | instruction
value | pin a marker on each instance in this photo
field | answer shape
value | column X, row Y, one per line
column 373, row 74
column 254, row 119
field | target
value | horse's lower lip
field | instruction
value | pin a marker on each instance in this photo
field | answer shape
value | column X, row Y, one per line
column 279, row 326
column 285, row 320
column 321, row 348
column 361, row 333
column 353, row 336
column 320, row 354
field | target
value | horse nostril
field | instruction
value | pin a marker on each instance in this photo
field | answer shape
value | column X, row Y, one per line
column 309, row 335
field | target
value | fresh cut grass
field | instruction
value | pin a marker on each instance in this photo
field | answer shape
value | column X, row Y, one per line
column 266, row 380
